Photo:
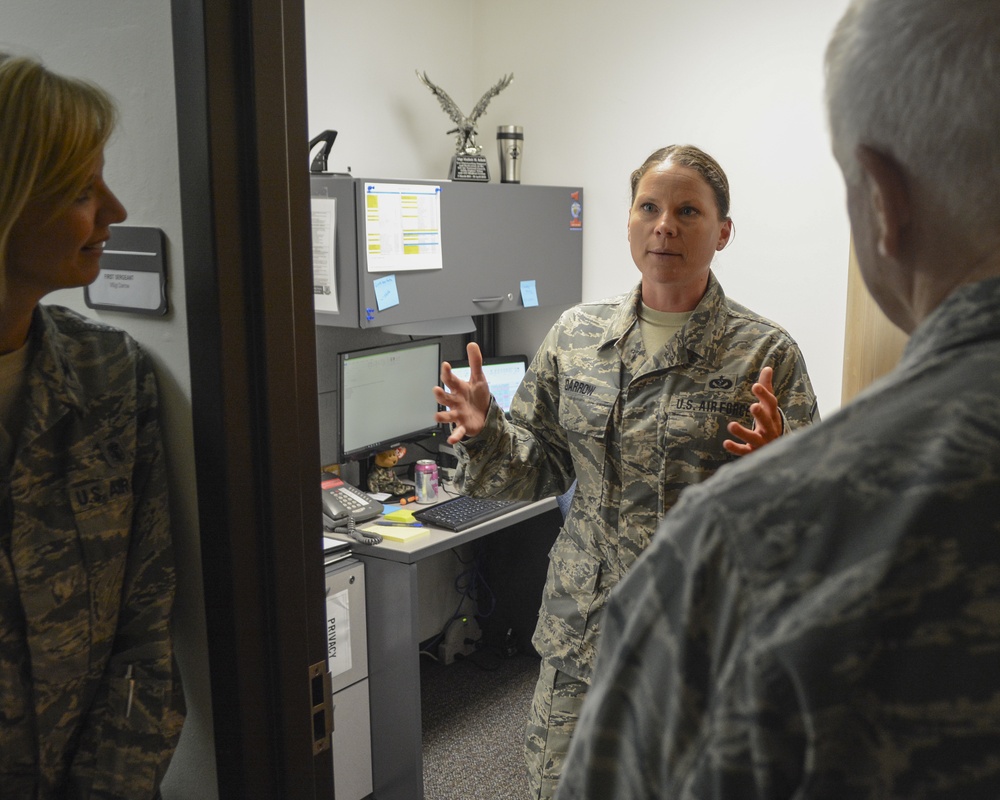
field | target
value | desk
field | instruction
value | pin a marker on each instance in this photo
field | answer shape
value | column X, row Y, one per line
column 393, row 647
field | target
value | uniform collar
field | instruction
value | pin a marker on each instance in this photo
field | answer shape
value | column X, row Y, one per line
column 707, row 326
column 52, row 370
column 701, row 334
column 967, row 315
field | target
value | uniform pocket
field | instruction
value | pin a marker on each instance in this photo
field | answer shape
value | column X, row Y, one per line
column 587, row 422
column 585, row 416
column 128, row 754
column 700, row 434
column 571, row 583
column 103, row 511
column 102, row 508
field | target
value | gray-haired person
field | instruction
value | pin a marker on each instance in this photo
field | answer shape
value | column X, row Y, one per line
column 823, row 620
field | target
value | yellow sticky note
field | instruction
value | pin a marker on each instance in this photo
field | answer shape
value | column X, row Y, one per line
column 396, row 534
column 400, row 515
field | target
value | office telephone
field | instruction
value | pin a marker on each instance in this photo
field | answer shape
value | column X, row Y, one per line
column 341, row 501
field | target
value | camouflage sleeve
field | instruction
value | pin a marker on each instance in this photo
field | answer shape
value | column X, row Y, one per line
column 135, row 719
column 793, row 389
column 528, row 456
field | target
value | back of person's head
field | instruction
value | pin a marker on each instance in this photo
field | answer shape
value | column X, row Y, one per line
column 919, row 81
column 687, row 155
column 52, row 130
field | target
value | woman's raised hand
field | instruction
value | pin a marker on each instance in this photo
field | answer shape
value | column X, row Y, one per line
column 468, row 401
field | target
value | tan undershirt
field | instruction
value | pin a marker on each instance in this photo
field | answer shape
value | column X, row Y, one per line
column 658, row 327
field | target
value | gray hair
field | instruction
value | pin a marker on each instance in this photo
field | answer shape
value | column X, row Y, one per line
column 919, row 80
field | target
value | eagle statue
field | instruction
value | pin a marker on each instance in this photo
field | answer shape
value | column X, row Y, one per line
column 466, row 130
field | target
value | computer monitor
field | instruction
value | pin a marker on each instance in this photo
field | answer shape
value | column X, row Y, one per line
column 386, row 396
column 503, row 374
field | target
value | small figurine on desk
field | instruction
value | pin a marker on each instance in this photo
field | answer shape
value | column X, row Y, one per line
column 383, row 477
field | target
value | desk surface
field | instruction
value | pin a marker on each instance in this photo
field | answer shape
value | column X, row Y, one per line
column 437, row 540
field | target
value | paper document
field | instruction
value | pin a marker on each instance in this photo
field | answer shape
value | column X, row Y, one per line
column 338, row 633
column 324, row 241
column 402, row 226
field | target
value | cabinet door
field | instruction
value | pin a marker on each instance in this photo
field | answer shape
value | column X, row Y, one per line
column 346, row 623
column 492, row 238
column 352, row 743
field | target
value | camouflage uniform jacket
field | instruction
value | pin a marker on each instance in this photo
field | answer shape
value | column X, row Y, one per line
column 634, row 429
column 86, row 575
column 822, row 620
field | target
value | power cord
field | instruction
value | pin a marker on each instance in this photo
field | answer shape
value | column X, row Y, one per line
column 472, row 581
column 468, row 584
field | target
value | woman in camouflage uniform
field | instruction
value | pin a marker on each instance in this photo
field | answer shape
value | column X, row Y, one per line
column 90, row 699
column 634, row 398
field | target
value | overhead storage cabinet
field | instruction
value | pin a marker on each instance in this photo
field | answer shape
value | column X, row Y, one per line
column 502, row 247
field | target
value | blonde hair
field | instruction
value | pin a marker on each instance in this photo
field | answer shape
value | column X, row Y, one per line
column 53, row 129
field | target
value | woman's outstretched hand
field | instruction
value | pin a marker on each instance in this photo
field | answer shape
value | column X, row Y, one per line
column 768, row 423
column 468, row 401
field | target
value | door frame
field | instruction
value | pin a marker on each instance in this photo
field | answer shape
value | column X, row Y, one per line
column 242, row 128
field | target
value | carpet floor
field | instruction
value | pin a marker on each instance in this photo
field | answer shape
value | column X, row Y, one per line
column 474, row 713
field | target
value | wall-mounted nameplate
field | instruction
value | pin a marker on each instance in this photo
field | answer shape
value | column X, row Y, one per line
column 133, row 275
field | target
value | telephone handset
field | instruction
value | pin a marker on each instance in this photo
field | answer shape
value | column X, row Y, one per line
column 342, row 501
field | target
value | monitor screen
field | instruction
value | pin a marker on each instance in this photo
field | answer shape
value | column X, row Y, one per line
column 386, row 396
column 503, row 374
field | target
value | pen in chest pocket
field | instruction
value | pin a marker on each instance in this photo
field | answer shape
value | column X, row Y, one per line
column 131, row 690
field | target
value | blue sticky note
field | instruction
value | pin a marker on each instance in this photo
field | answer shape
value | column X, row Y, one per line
column 529, row 295
column 386, row 294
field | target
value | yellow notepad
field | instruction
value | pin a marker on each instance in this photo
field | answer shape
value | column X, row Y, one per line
column 399, row 515
column 395, row 533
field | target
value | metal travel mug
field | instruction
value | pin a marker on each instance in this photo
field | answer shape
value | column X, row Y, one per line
column 510, row 146
column 425, row 478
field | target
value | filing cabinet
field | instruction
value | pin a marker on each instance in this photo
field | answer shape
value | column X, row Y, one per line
column 347, row 659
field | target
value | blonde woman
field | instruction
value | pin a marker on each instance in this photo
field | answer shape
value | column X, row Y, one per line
column 90, row 699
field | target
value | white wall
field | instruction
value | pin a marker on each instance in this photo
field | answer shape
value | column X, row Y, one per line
column 127, row 49
column 597, row 87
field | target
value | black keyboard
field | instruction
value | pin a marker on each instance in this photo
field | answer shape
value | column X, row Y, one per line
column 463, row 512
